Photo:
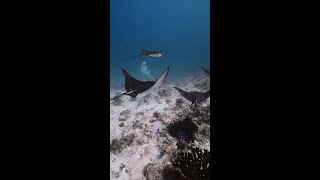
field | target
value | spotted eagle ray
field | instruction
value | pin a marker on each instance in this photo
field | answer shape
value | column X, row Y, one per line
column 194, row 97
column 134, row 87
column 206, row 71
column 147, row 53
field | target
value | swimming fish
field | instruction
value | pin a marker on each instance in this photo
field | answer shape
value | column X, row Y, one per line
column 134, row 87
column 194, row 97
column 147, row 53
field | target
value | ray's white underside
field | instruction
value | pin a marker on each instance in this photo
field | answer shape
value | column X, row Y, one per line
column 155, row 55
column 160, row 80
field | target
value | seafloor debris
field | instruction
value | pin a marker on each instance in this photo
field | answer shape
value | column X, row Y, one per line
column 124, row 115
column 117, row 174
column 158, row 99
column 153, row 171
column 141, row 113
column 117, row 145
column 121, row 124
column 156, row 114
column 122, row 166
column 179, row 102
column 142, row 140
column 125, row 112
column 147, row 131
column 203, row 84
column 155, row 117
column 118, row 101
column 146, row 169
column 164, row 93
column 153, row 120
column 200, row 111
column 204, row 119
column 136, row 124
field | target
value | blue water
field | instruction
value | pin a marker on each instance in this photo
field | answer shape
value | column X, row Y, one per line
column 181, row 28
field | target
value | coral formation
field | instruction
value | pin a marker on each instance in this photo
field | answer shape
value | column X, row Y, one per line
column 194, row 165
column 182, row 144
column 184, row 129
column 169, row 173
column 205, row 131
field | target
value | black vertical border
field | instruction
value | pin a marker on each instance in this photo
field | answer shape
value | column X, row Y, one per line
column 217, row 88
column 103, row 28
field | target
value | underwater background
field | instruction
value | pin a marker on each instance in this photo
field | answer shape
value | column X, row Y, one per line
column 161, row 134
column 180, row 28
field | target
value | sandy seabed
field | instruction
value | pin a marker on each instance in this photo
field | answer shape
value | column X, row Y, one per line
column 141, row 123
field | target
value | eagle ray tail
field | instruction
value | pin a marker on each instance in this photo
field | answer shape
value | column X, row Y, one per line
column 132, row 57
column 117, row 96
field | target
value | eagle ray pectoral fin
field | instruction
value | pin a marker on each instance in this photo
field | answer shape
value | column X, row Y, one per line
column 206, row 71
column 158, row 82
column 185, row 94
